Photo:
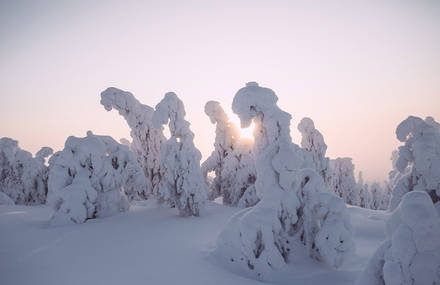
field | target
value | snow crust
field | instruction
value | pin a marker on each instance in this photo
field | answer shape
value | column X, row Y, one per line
column 232, row 161
column 183, row 185
column 296, row 210
column 23, row 177
column 88, row 178
column 418, row 160
column 147, row 139
column 411, row 251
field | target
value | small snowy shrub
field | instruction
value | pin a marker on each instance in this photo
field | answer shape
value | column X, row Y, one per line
column 231, row 160
column 418, row 160
column 296, row 215
column 88, row 178
column 183, row 185
column 342, row 181
column 23, row 177
column 411, row 252
column 147, row 140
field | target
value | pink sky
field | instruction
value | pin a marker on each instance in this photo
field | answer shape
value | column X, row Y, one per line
column 357, row 68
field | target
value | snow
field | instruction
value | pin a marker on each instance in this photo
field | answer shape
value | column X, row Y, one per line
column 149, row 244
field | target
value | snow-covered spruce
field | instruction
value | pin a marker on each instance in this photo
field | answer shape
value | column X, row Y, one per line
column 411, row 253
column 23, row 177
column 88, row 177
column 365, row 195
column 5, row 200
column 296, row 215
column 313, row 141
column 342, row 181
column 183, row 185
column 418, row 160
column 147, row 140
column 231, row 160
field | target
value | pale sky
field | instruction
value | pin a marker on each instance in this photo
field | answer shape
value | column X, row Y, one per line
column 357, row 68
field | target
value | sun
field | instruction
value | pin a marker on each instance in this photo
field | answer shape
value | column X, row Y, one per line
column 246, row 132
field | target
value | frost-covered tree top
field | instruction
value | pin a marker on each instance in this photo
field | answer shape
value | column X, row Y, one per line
column 411, row 251
column 295, row 211
column 183, row 183
column 23, row 177
column 147, row 139
column 313, row 141
column 343, row 182
column 418, row 160
column 88, row 178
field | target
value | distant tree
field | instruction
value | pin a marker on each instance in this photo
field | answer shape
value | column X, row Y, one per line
column 365, row 195
column 232, row 161
column 411, row 251
column 418, row 160
column 147, row 139
column 342, row 181
column 183, row 184
column 295, row 210
column 23, row 177
column 88, row 178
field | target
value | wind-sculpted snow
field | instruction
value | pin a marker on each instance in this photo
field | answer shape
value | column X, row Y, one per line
column 313, row 141
column 296, row 214
column 88, row 178
column 183, row 185
column 147, row 140
column 418, row 160
column 232, row 161
column 411, row 253
column 23, row 177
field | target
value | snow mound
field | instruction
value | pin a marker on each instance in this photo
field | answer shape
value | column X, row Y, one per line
column 88, row 178
column 411, row 252
column 296, row 210
column 5, row 200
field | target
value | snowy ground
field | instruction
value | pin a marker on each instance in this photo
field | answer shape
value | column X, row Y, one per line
column 149, row 245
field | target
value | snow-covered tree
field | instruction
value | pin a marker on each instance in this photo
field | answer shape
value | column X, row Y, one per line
column 365, row 195
column 88, row 178
column 313, row 141
column 5, row 200
column 380, row 197
column 147, row 140
column 231, row 160
column 296, row 210
column 183, row 184
column 411, row 252
column 23, row 177
column 418, row 160
column 342, row 181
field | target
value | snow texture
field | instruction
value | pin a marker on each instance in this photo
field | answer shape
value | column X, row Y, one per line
column 23, row 177
column 147, row 140
column 342, row 181
column 183, row 185
column 232, row 161
column 418, row 160
column 411, row 253
column 88, row 178
column 296, row 212
column 5, row 200
column 313, row 141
